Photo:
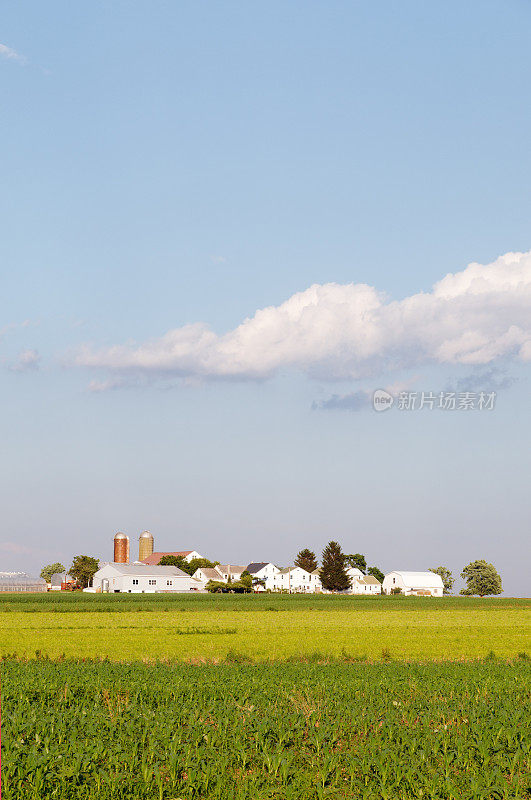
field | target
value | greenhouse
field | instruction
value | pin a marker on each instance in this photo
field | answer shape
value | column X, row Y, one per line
column 21, row 582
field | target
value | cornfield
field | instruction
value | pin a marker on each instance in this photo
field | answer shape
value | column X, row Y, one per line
column 377, row 731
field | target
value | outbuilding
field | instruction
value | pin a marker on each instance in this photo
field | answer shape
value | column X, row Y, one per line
column 427, row 584
column 137, row 578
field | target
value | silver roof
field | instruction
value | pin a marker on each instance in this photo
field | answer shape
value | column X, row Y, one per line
column 151, row 570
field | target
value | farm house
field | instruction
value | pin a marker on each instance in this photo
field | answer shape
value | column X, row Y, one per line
column 136, row 578
column 426, row 584
column 294, row 580
column 367, row 584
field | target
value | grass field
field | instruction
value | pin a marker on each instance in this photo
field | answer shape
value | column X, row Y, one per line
column 287, row 731
column 232, row 697
column 264, row 627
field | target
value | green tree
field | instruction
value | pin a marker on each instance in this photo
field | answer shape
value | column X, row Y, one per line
column 306, row 560
column 83, row 569
column 481, row 578
column 357, row 560
column 51, row 569
column 376, row 573
column 174, row 561
column 334, row 577
column 446, row 576
column 196, row 563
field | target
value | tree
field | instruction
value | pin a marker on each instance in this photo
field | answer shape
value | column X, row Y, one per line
column 198, row 563
column 306, row 560
column 334, row 577
column 173, row 561
column 376, row 573
column 83, row 569
column 481, row 578
column 51, row 569
column 357, row 560
column 187, row 566
column 446, row 576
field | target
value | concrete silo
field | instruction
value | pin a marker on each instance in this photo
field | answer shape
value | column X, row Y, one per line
column 145, row 545
column 121, row 548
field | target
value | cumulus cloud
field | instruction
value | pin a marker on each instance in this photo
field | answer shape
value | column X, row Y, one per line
column 11, row 55
column 27, row 361
column 335, row 331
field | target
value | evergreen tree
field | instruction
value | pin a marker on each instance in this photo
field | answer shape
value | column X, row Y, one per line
column 482, row 578
column 333, row 573
column 376, row 573
column 356, row 560
column 446, row 576
column 306, row 560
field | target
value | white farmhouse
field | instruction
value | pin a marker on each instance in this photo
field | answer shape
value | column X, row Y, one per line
column 295, row 580
column 414, row 583
column 366, row 585
column 206, row 574
column 231, row 571
column 137, row 578
column 354, row 574
column 262, row 570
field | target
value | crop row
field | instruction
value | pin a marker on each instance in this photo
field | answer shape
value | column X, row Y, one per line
column 374, row 731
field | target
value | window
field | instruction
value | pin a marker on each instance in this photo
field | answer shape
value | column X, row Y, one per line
column 135, row 581
column 394, row 580
column 152, row 581
column 168, row 583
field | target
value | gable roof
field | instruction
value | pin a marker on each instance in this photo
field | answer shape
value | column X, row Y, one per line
column 256, row 566
column 211, row 573
column 149, row 570
column 370, row 579
column 154, row 558
column 232, row 568
column 419, row 580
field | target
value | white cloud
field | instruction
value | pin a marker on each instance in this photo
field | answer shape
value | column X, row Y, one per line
column 11, row 55
column 335, row 331
column 27, row 361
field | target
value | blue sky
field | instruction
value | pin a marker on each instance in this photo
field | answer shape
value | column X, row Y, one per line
column 187, row 164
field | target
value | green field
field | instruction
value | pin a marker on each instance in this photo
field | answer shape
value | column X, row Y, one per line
column 287, row 731
column 267, row 627
column 234, row 697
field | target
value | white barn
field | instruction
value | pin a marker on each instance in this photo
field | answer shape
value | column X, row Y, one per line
column 138, row 578
column 428, row 584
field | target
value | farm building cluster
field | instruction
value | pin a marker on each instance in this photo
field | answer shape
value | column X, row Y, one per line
column 148, row 575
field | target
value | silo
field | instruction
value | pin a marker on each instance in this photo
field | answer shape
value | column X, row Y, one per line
column 145, row 545
column 121, row 548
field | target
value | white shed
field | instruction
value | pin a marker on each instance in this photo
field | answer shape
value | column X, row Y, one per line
column 137, row 578
column 428, row 584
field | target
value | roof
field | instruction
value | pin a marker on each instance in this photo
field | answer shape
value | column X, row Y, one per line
column 370, row 579
column 354, row 572
column 13, row 579
column 149, row 570
column 419, row 580
column 211, row 573
column 154, row 558
column 231, row 568
column 57, row 578
column 256, row 566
